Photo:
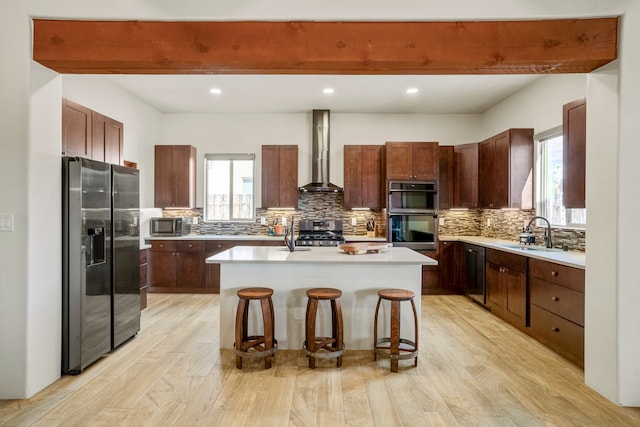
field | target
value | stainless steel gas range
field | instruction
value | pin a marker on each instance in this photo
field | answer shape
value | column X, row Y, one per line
column 319, row 233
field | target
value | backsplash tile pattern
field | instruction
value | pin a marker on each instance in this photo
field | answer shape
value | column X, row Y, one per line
column 497, row 223
column 507, row 225
column 312, row 206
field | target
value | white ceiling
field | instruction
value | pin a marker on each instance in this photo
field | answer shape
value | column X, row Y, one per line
column 457, row 94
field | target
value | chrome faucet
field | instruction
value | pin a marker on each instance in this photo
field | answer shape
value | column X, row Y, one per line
column 547, row 232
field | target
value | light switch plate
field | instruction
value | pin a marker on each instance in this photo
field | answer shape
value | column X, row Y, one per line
column 354, row 221
column 6, row 222
column 263, row 220
column 441, row 222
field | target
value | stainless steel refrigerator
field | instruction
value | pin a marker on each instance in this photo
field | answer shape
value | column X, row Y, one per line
column 100, row 269
column 125, row 271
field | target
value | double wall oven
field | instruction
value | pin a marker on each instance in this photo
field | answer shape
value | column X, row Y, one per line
column 413, row 214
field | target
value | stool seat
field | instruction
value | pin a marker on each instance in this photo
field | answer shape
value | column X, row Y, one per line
column 394, row 347
column 324, row 293
column 255, row 293
column 324, row 347
column 396, row 294
column 255, row 346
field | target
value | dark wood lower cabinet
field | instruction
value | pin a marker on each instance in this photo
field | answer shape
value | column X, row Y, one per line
column 442, row 279
column 507, row 286
column 178, row 266
column 557, row 308
column 143, row 278
column 430, row 275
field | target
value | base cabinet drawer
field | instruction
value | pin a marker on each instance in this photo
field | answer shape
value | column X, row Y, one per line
column 560, row 300
column 559, row 334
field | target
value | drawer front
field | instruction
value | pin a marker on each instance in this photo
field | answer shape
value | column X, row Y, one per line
column 163, row 245
column 562, row 336
column 190, row 245
column 216, row 246
column 559, row 300
column 558, row 274
column 505, row 259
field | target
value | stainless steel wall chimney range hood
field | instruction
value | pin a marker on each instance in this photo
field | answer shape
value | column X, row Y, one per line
column 320, row 155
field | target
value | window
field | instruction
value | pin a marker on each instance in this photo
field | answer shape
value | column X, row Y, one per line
column 228, row 186
column 548, row 183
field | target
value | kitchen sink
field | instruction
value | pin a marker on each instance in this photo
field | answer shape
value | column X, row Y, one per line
column 518, row 246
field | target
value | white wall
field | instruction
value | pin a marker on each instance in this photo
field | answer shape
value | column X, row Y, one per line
column 537, row 106
column 626, row 289
column 600, row 302
column 245, row 133
column 19, row 315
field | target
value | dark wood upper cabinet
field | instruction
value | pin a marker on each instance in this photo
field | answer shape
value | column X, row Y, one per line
column 408, row 161
column 106, row 141
column 362, row 176
column 89, row 134
column 506, row 170
column 279, row 176
column 574, row 137
column 76, row 129
column 446, row 180
column 175, row 176
column 466, row 176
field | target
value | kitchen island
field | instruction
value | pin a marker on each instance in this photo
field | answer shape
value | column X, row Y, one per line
column 290, row 274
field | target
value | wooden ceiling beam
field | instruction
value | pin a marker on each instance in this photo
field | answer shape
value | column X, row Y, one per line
column 306, row 47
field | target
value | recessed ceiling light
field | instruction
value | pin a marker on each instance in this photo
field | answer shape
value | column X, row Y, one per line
column 327, row 91
column 215, row 91
column 412, row 90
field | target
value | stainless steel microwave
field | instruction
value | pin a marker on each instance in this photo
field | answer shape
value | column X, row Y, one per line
column 164, row 226
column 413, row 197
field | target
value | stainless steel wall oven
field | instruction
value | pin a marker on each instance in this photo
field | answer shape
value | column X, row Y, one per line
column 413, row 214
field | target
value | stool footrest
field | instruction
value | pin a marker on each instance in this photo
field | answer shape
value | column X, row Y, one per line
column 406, row 353
column 264, row 353
column 323, row 354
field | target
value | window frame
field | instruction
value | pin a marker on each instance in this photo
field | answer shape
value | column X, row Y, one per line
column 540, row 158
column 229, row 157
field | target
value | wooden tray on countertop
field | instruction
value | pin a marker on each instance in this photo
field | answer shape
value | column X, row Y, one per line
column 363, row 248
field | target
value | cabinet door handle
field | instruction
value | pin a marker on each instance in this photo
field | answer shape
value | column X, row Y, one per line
column 554, row 329
column 554, row 273
column 190, row 245
column 162, row 246
column 555, row 299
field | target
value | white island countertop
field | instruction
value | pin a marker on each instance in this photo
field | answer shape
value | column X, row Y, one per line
column 317, row 255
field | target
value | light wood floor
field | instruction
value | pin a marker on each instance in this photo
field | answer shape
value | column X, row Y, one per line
column 473, row 370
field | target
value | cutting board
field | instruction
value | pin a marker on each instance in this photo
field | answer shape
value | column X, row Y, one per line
column 363, row 248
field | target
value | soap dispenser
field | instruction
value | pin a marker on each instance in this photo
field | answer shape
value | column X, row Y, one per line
column 524, row 237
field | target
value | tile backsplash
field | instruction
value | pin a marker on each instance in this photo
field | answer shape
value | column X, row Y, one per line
column 501, row 224
column 313, row 206
column 505, row 224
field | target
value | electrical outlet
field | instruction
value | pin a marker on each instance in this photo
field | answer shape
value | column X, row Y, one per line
column 488, row 222
column 354, row 221
column 263, row 220
column 284, row 220
column 441, row 222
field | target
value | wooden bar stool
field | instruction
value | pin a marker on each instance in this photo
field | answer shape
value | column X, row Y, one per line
column 323, row 347
column 255, row 345
column 393, row 347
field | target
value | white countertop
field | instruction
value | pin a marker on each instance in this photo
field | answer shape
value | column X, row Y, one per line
column 317, row 255
column 259, row 237
column 568, row 258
